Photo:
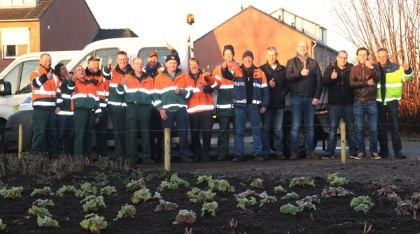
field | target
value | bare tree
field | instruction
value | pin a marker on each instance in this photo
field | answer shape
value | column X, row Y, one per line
column 390, row 24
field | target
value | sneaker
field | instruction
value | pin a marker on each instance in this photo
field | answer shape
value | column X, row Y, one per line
column 328, row 156
column 360, row 155
column 280, row 156
column 293, row 156
column 353, row 156
column 400, row 155
column 258, row 157
column 312, row 155
column 238, row 158
column 375, row 156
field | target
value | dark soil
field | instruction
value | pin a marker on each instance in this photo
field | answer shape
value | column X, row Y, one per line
column 333, row 215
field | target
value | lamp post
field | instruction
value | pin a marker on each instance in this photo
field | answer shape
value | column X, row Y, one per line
column 190, row 21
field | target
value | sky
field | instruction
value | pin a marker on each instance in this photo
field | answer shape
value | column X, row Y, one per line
column 167, row 18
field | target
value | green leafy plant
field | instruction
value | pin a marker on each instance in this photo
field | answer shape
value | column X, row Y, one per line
column 266, row 199
column 136, row 184
column 185, row 216
column 290, row 195
column 335, row 180
column 39, row 211
column 221, row 186
column 306, row 206
column 43, row 202
column 93, row 203
column 279, row 189
column 108, row 190
column 126, row 211
column 197, row 195
column 86, row 189
column 362, row 203
column 42, row 192
column 257, row 183
column 65, row 189
column 94, row 223
column 244, row 202
column 204, row 178
column 2, row 225
column 289, row 209
column 46, row 221
column 209, row 207
column 165, row 205
column 141, row 195
column 301, row 181
column 11, row 193
column 173, row 183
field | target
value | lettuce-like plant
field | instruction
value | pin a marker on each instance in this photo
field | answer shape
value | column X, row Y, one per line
column 126, row 211
column 47, row 221
column 301, row 181
column 94, row 223
column 362, row 203
column 185, row 216
column 209, row 207
column 136, row 184
column 165, row 205
column 11, row 193
column 257, row 183
column 290, row 195
column 39, row 211
column 2, row 225
column 244, row 202
column 197, row 195
column 86, row 189
column 266, row 199
column 46, row 191
column 141, row 195
column 43, row 202
column 337, row 181
column 93, row 203
column 108, row 190
column 279, row 189
column 289, row 209
column 65, row 189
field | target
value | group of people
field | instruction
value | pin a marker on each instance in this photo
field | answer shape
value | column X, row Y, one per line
column 69, row 108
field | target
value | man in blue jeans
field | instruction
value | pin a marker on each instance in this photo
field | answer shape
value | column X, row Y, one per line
column 363, row 79
column 250, row 98
column 389, row 92
column 274, row 115
column 304, row 77
column 340, row 103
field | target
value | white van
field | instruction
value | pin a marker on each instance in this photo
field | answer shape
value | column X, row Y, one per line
column 134, row 47
column 17, row 75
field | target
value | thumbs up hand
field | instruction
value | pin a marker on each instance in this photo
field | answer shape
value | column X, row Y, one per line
column 272, row 83
column 334, row 74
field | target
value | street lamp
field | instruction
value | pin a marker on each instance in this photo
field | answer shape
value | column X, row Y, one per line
column 190, row 21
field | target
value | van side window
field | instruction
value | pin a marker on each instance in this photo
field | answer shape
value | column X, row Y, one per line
column 103, row 54
column 28, row 67
column 161, row 51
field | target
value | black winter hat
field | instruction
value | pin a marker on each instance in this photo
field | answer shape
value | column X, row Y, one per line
column 228, row 47
column 248, row 53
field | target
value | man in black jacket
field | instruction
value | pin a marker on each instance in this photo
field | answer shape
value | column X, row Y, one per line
column 304, row 77
column 340, row 103
column 273, row 117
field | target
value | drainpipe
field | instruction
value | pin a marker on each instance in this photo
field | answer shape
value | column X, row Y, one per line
column 313, row 49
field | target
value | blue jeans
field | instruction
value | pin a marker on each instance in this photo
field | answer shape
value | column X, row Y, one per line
column 302, row 106
column 181, row 118
column 241, row 114
column 371, row 110
column 389, row 112
column 273, row 118
column 335, row 113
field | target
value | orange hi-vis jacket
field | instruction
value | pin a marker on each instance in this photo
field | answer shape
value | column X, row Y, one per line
column 116, row 75
column 138, row 89
column 102, row 86
column 201, row 100
column 164, row 91
column 85, row 95
column 224, row 106
column 44, row 90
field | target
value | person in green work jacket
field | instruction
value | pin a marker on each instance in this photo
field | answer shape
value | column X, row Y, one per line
column 389, row 91
column 137, row 89
column 86, row 111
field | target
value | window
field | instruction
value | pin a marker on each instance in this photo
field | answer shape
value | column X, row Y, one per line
column 19, row 76
column 104, row 54
column 17, row 3
column 15, row 42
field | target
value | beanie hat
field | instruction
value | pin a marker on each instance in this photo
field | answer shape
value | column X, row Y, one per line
column 248, row 53
column 57, row 69
column 228, row 47
column 172, row 57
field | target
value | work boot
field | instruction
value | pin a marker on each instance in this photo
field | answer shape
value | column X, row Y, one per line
column 400, row 155
column 205, row 157
column 312, row 155
column 258, row 157
column 222, row 158
column 293, row 156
